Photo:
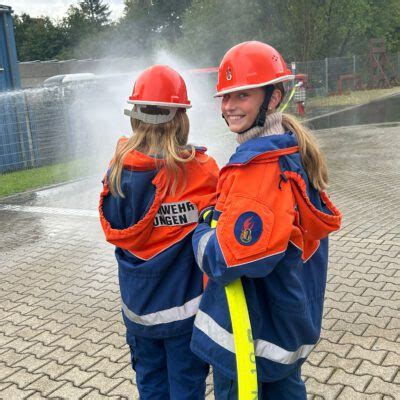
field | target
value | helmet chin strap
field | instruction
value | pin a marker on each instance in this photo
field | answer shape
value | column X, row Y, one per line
column 260, row 119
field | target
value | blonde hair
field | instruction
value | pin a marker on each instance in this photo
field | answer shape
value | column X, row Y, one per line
column 311, row 156
column 167, row 140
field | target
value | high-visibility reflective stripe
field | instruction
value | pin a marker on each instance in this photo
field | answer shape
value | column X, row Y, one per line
column 278, row 354
column 173, row 314
column 263, row 348
column 214, row 331
column 201, row 248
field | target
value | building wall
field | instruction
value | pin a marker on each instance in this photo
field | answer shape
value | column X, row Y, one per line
column 33, row 73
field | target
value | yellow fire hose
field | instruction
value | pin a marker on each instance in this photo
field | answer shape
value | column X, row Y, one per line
column 283, row 107
column 243, row 339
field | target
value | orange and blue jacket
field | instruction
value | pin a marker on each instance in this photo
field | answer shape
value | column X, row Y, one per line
column 272, row 232
column 160, row 284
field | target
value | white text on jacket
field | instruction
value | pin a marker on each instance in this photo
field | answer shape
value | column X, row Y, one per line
column 171, row 214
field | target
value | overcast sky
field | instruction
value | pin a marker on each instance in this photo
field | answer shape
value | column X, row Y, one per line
column 55, row 8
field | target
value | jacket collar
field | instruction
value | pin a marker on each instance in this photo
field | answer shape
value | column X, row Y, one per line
column 264, row 146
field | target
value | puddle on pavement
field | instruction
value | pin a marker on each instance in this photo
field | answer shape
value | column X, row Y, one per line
column 377, row 112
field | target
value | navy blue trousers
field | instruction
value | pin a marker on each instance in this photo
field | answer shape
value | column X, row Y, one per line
column 167, row 369
column 290, row 388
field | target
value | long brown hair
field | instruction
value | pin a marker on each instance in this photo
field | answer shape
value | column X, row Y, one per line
column 311, row 156
column 167, row 140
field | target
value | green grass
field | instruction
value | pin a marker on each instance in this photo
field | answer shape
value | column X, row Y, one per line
column 352, row 98
column 21, row 181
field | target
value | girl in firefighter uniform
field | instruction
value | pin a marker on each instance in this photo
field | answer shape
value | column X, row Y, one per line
column 154, row 193
column 272, row 219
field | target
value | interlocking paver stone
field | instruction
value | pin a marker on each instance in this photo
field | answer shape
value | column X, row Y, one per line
column 11, row 357
column 96, row 395
column 326, row 391
column 38, row 396
column 103, row 383
column 69, row 391
column 77, row 376
column 6, row 371
column 113, row 353
column 14, row 393
column 22, row 378
column 389, row 334
column 363, row 341
column 377, row 385
column 348, row 365
column 338, row 349
column 127, row 390
column 375, row 356
column 88, row 347
column 356, row 329
column 94, row 335
column 384, row 344
column 60, row 355
column 357, row 382
column 394, row 323
column 127, row 373
column 391, row 359
column 39, row 350
column 349, row 393
column 316, row 357
column 19, row 345
column 53, row 369
column 386, row 373
column 31, row 363
column 61, row 331
column 319, row 373
column 380, row 322
column 45, row 385
column 109, row 368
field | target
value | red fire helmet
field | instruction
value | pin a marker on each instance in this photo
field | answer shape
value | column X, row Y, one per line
column 160, row 85
column 250, row 65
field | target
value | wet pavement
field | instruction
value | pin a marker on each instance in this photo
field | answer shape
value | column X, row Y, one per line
column 378, row 111
column 61, row 334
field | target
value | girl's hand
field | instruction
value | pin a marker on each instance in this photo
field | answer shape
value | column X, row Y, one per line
column 207, row 216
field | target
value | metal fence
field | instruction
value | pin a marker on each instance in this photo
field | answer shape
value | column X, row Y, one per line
column 35, row 129
column 45, row 126
column 324, row 75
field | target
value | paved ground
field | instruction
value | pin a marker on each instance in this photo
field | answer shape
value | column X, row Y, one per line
column 61, row 334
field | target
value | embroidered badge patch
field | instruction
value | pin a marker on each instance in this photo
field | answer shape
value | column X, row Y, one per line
column 248, row 228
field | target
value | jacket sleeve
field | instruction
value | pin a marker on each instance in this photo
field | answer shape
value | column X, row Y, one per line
column 251, row 236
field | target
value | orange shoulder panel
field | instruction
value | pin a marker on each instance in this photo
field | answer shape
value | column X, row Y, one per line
column 257, row 216
column 196, row 191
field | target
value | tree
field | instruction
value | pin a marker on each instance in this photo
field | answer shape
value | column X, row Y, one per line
column 315, row 29
column 95, row 11
column 149, row 21
column 385, row 22
column 202, row 30
column 37, row 38
column 302, row 30
column 82, row 26
column 210, row 27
